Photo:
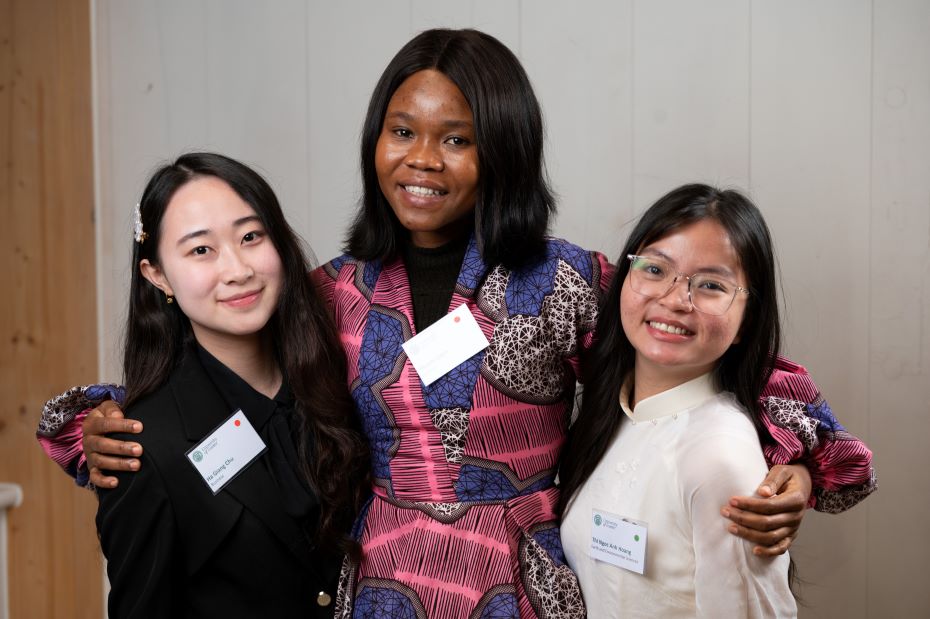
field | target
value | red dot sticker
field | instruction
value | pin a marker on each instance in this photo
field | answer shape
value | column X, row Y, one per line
column 237, row 423
column 457, row 319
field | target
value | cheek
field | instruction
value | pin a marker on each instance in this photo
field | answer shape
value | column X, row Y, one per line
column 383, row 157
column 629, row 309
column 723, row 332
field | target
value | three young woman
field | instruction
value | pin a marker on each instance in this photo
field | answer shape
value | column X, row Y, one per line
column 464, row 515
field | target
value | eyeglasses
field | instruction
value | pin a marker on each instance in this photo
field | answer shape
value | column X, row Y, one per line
column 654, row 278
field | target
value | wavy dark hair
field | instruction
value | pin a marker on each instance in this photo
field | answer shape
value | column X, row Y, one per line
column 744, row 369
column 333, row 456
column 514, row 201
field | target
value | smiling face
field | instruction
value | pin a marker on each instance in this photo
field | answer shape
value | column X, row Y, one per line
column 217, row 261
column 427, row 160
column 675, row 343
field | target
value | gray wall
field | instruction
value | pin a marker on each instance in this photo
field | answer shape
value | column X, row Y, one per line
column 819, row 109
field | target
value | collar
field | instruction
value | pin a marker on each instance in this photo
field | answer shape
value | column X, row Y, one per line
column 237, row 393
column 672, row 401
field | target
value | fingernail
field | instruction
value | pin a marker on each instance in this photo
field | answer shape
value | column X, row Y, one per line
column 134, row 465
column 732, row 528
column 725, row 512
column 137, row 427
column 136, row 450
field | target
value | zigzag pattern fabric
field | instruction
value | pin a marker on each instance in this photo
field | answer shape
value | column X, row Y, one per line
column 463, row 521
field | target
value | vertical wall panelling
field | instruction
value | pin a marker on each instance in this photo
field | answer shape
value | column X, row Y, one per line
column 690, row 95
column 899, row 326
column 810, row 175
column 47, row 318
column 179, row 76
column 585, row 90
column 348, row 45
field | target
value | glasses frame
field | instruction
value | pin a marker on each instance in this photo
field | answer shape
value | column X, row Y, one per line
column 678, row 275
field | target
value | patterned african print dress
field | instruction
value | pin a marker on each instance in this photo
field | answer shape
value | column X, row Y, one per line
column 463, row 520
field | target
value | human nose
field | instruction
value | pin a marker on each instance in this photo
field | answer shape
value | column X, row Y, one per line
column 235, row 268
column 678, row 295
column 425, row 154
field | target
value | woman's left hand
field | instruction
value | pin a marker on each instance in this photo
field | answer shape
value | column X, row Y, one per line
column 772, row 519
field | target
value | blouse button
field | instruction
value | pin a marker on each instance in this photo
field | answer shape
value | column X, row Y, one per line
column 323, row 598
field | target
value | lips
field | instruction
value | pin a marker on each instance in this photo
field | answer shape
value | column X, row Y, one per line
column 242, row 300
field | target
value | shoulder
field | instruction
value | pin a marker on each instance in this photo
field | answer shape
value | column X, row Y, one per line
column 720, row 450
column 591, row 266
column 159, row 414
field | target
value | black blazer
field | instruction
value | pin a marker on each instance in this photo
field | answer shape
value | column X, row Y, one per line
column 176, row 550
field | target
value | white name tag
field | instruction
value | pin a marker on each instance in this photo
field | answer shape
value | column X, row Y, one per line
column 445, row 344
column 226, row 451
column 618, row 541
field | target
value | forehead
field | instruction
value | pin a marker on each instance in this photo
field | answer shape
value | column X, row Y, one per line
column 204, row 202
column 697, row 246
column 429, row 92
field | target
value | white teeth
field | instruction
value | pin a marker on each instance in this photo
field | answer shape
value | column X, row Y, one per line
column 661, row 326
column 422, row 191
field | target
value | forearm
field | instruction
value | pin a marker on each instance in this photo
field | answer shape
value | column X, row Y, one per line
column 805, row 431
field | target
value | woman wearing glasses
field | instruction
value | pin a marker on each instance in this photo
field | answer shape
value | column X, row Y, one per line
column 669, row 426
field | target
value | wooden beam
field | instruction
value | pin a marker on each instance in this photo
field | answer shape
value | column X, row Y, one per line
column 47, row 319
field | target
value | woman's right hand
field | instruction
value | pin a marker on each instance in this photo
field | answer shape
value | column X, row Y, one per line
column 107, row 454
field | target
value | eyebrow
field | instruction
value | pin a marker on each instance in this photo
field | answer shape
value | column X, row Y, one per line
column 198, row 233
column 447, row 124
column 714, row 270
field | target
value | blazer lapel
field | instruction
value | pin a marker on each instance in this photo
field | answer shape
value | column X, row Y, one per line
column 202, row 410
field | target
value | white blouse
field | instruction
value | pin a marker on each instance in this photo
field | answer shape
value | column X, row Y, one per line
column 677, row 459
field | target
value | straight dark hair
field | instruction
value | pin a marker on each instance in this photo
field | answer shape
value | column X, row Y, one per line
column 333, row 456
column 744, row 369
column 514, row 201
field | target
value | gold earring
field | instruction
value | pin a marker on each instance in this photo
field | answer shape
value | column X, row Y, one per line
column 169, row 298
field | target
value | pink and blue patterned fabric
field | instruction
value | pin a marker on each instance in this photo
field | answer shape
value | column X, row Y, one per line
column 463, row 521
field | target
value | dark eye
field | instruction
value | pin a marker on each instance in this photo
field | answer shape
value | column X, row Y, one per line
column 402, row 132
column 457, row 140
column 248, row 237
column 200, row 250
column 712, row 286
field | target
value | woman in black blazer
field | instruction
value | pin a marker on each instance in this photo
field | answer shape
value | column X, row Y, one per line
column 224, row 320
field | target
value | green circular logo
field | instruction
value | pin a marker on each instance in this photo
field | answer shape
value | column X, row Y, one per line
column 197, row 456
column 636, row 537
column 597, row 519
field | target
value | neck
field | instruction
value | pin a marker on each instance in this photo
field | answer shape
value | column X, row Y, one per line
column 650, row 380
column 251, row 357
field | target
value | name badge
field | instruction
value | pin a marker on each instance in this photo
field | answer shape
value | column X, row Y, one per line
column 445, row 344
column 227, row 451
column 618, row 541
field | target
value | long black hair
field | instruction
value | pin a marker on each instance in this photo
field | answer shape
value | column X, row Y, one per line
column 745, row 367
column 514, row 200
column 333, row 455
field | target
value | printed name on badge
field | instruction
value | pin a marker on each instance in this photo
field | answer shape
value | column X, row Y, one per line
column 618, row 541
column 226, row 451
column 445, row 344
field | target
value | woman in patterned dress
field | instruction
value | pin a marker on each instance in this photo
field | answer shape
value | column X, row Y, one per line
column 462, row 521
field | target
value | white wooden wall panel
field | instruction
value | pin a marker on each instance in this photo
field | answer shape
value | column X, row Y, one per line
column 348, row 46
column 690, row 95
column 585, row 92
column 810, row 175
column 821, row 110
column 899, row 344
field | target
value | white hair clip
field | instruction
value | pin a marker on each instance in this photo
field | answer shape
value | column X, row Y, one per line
column 139, row 233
